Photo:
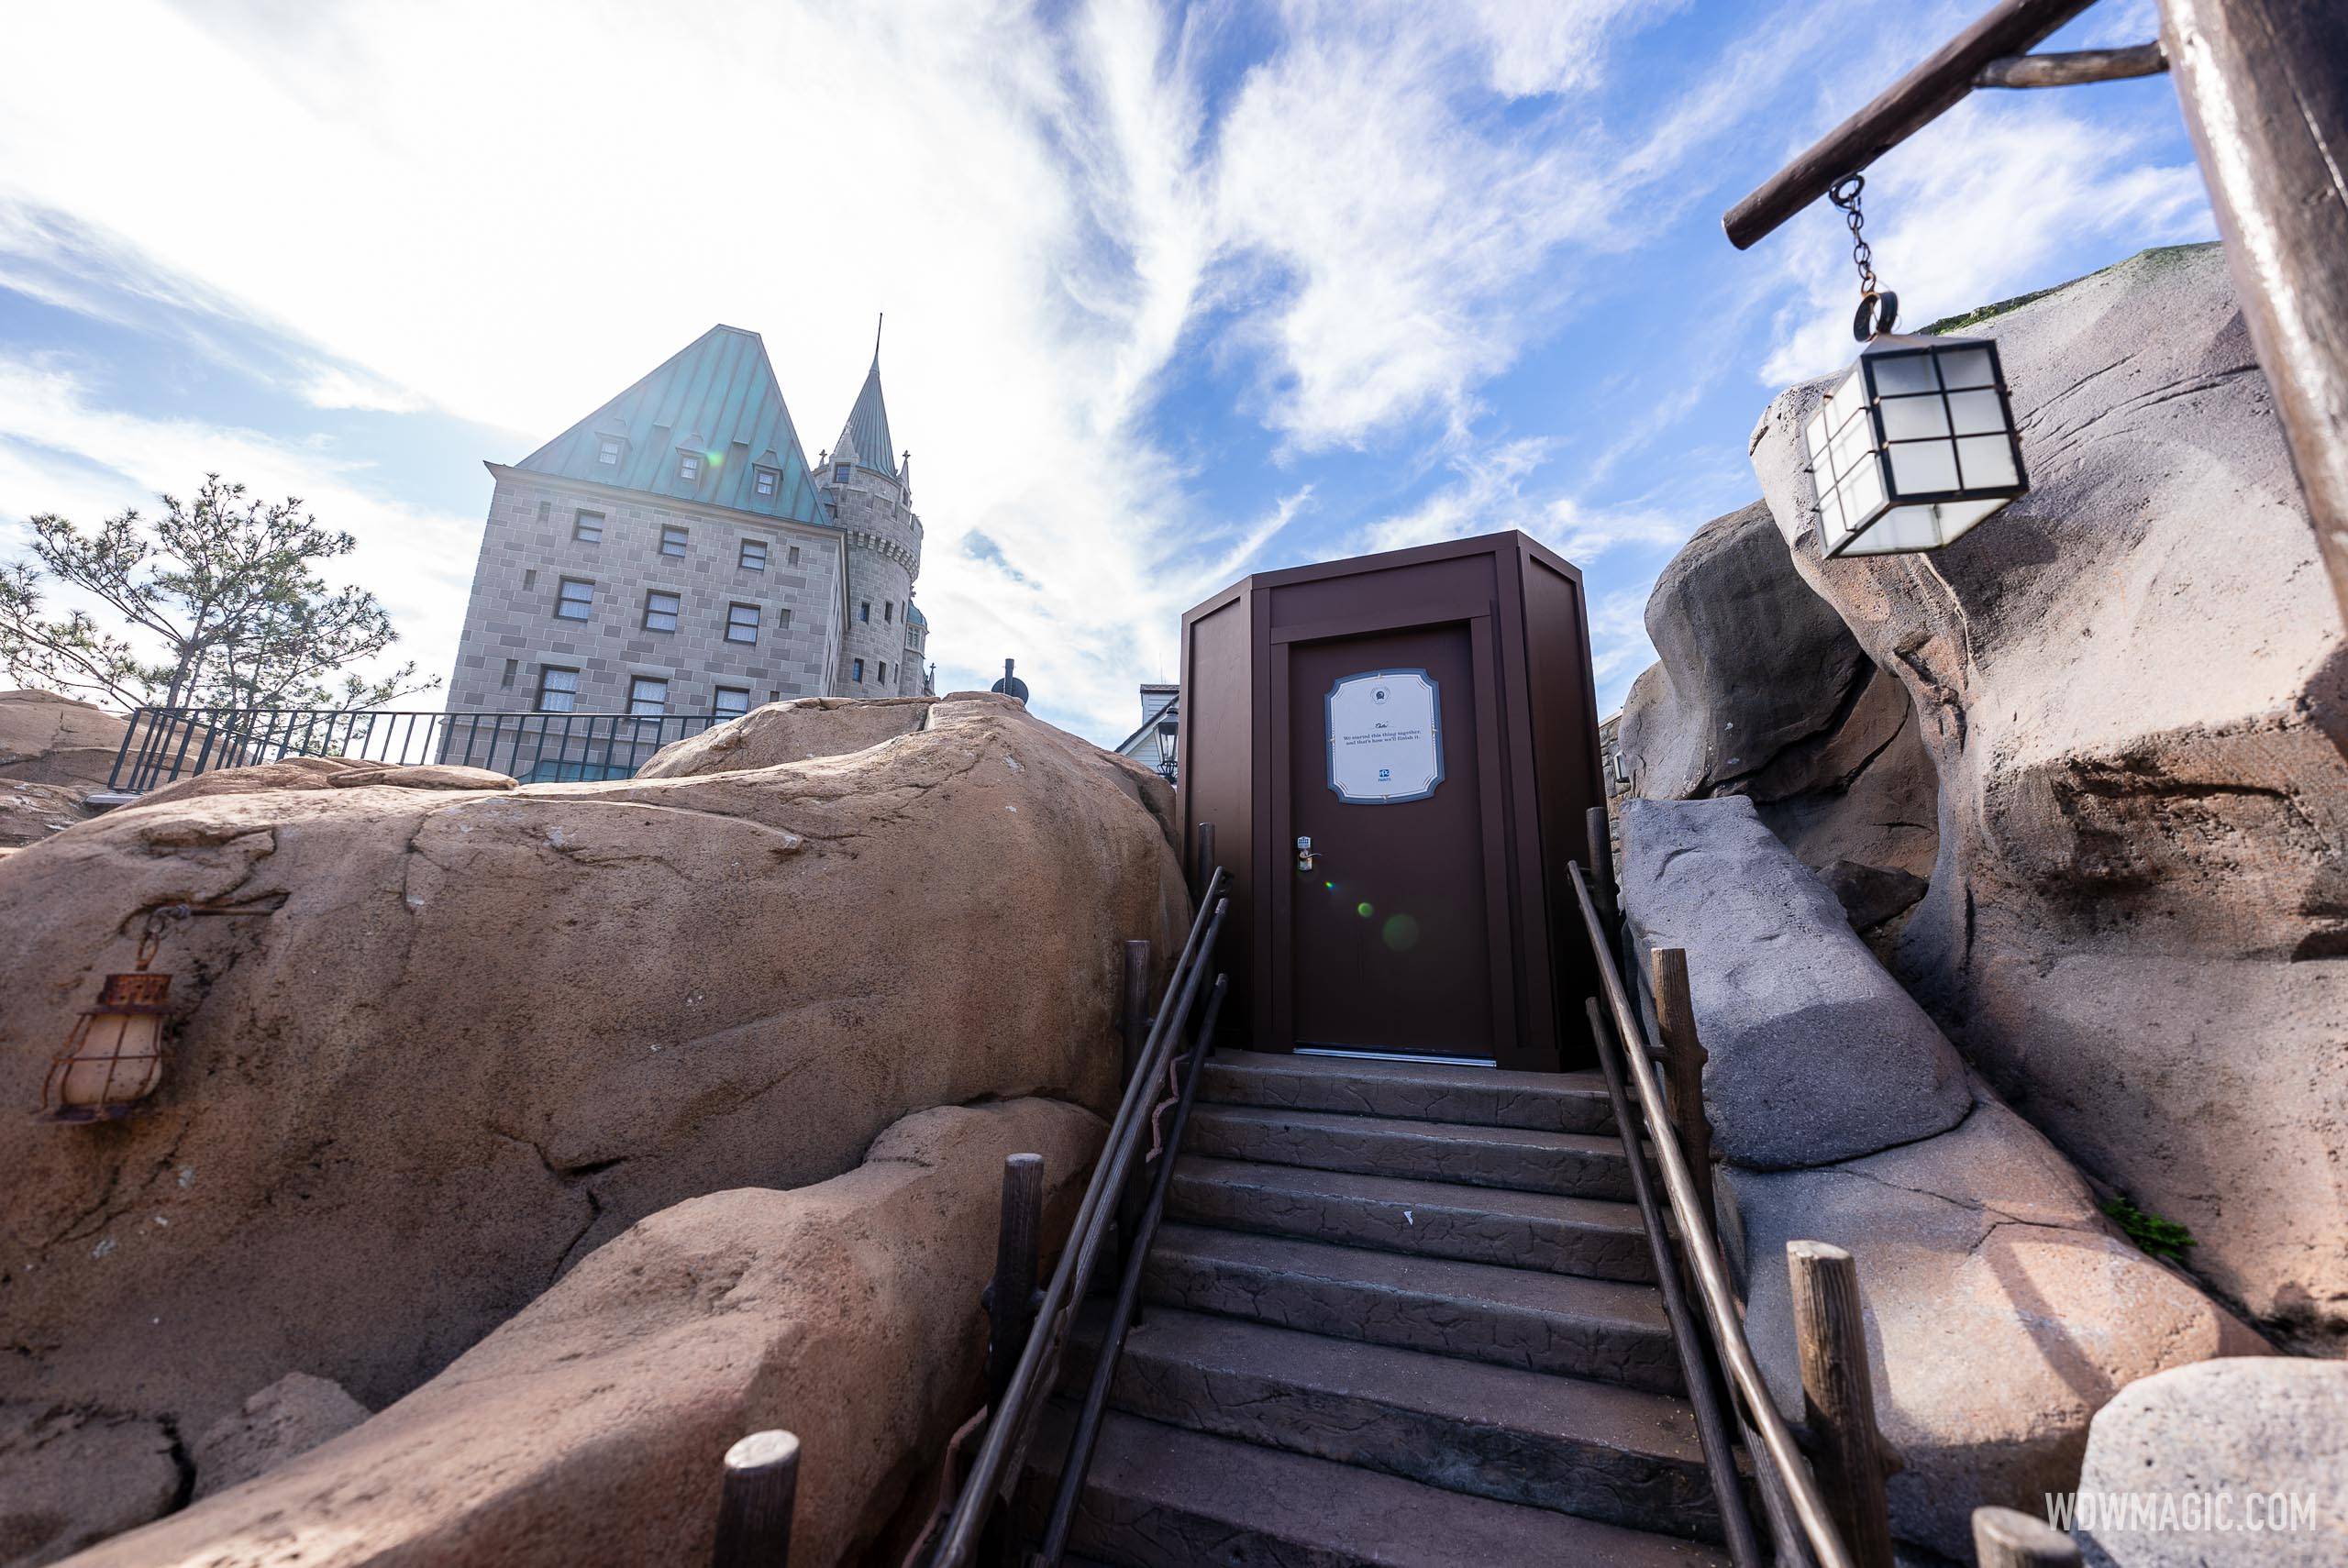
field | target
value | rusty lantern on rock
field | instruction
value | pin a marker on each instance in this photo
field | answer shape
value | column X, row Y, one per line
column 114, row 1056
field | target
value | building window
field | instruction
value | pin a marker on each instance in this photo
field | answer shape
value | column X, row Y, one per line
column 742, row 623
column 660, row 611
column 754, row 555
column 856, row 673
column 545, row 508
column 731, row 701
column 672, row 541
column 587, row 527
column 792, row 558
column 782, row 620
column 889, row 610
column 607, row 451
column 511, row 666
column 766, row 482
column 689, row 467
column 839, row 474
column 884, row 672
column 575, row 599
column 864, row 609
column 647, row 696
column 557, row 689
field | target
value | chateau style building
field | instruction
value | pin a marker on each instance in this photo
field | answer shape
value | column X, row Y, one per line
column 674, row 553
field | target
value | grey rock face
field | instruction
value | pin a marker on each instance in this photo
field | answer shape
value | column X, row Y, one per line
column 1761, row 690
column 69, row 1478
column 2002, row 1311
column 290, row 1416
column 1817, row 1053
column 2134, row 684
column 2248, row 1443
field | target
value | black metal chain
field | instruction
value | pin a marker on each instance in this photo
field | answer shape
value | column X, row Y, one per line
column 1877, row 307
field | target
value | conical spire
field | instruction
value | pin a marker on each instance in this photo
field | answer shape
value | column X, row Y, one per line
column 864, row 439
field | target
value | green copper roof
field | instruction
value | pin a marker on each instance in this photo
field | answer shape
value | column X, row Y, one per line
column 914, row 616
column 717, row 397
column 864, row 439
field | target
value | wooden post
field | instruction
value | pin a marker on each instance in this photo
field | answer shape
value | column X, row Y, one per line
column 1206, row 860
column 1602, row 861
column 2005, row 1538
column 1137, row 1031
column 754, row 1509
column 1018, row 1259
column 1838, row 1396
column 1683, row 1061
column 2264, row 86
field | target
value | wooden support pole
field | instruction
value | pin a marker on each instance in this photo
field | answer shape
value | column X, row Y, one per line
column 2265, row 85
column 1018, row 1259
column 2075, row 68
column 1898, row 112
column 2007, row 1537
column 754, row 1509
column 1603, row 890
column 1838, row 1396
column 1206, row 859
column 1683, row 1061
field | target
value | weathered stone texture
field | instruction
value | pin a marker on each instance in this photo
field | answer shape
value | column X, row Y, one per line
column 2134, row 684
column 49, row 739
column 485, row 1031
column 590, row 1428
column 289, row 1418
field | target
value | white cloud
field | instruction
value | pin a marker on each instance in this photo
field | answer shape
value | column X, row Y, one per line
column 64, row 452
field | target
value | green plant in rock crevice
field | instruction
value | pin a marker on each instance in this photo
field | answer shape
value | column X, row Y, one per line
column 2153, row 1235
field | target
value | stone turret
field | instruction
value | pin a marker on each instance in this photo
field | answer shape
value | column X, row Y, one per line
column 867, row 489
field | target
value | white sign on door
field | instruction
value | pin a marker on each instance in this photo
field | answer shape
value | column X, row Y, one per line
column 1385, row 737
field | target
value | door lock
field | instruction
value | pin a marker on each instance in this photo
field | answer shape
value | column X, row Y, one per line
column 1303, row 853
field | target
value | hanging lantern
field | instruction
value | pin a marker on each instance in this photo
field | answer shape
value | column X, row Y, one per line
column 114, row 1056
column 1916, row 444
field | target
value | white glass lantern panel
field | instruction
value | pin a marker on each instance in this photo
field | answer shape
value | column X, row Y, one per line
column 1988, row 461
column 1843, row 403
column 1922, row 527
column 1966, row 367
column 1851, row 448
column 1862, row 490
column 1815, row 434
column 1922, row 468
column 1914, row 418
column 1977, row 412
column 1899, row 373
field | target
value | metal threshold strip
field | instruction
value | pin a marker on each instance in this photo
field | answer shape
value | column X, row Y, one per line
column 1396, row 1056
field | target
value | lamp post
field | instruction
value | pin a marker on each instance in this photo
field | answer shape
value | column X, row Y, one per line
column 1169, row 738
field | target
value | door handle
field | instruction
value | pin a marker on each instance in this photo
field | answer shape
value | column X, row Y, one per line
column 1304, row 853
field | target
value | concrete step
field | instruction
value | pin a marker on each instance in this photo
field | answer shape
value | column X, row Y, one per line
column 1592, row 1449
column 1591, row 1237
column 1158, row 1496
column 1415, row 1091
column 1597, row 1329
column 1578, row 1165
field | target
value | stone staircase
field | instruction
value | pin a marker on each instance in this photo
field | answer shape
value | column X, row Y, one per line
column 1398, row 1313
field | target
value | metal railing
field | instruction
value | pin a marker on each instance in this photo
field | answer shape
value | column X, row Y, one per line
column 164, row 744
column 1010, row 1425
column 1790, row 1491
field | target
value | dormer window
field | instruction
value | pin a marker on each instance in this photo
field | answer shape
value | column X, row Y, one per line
column 689, row 467
column 608, row 449
column 766, row 482
column 839, row 473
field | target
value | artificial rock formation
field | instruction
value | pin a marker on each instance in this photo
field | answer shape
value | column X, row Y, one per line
column 798, row 731
column 2243, row 1464
column 1816, row 1054
column 591, row 1427
column 284, row 1420
column 2002, row 1309
column 49, row 739
column 2134, row 684
column 461, row 1038
column 1760, row 690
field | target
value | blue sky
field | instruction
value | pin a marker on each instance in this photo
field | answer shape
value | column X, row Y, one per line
column 1174, row 294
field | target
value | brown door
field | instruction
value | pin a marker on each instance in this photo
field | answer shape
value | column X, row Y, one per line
column 1391, row 907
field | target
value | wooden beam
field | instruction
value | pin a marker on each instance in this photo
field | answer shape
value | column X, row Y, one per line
column 2264, row 84
column 2074, row 68
column 755, row 1504
column 1683, row 1062
column 2012, row 26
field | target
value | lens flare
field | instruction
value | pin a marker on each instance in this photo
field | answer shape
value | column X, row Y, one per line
column 1401, row 932
column 1364, row 909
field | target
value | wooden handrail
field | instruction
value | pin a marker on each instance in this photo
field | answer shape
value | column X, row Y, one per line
column 1702, row 1249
